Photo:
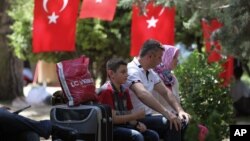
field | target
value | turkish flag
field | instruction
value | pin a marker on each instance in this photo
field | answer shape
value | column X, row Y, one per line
column 102, row 9
column 227, row 73
column 54, row 25
column 213, row 47
column 157, row 23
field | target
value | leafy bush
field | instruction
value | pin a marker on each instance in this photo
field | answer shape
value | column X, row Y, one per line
column 204, row 98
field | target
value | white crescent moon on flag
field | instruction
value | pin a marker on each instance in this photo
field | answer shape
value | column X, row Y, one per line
column 45, row 5
column 162, row 10
column 65, row 3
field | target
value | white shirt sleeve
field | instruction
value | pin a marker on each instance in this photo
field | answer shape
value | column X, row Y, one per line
column 133, row 77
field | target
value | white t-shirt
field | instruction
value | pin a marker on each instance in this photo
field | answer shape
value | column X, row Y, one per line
column 136, row 74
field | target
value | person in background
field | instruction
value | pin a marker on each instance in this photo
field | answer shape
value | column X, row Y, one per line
column 142, row 81
column 240, row 92
column 126, row 124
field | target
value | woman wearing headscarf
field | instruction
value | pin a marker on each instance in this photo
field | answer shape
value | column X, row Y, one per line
column 165, row 71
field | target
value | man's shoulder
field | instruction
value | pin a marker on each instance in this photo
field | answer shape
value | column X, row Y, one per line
column 132, row 68
column 131, row 64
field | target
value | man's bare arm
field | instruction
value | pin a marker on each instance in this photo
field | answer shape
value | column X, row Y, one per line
column 149, row 100
column 166, row 93
column 170, row 98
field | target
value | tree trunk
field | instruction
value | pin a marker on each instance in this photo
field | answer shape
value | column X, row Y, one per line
column 11, row 83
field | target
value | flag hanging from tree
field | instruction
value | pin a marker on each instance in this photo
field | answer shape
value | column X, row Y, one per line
column 157, row 23
column 227, row 73
column 54, row 25
column 102, row 9
column 213, row 47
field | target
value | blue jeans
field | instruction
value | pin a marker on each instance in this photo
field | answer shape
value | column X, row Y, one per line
column 159, row 124
column 130, row 134
column 13, row 124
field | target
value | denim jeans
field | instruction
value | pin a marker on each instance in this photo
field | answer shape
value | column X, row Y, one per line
column 130, row 134
column 159, row 124
column 13, row 124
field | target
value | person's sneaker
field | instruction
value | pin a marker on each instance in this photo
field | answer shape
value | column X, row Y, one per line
column 64, row 133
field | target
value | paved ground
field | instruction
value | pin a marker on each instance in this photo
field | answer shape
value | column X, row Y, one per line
column 37, row 112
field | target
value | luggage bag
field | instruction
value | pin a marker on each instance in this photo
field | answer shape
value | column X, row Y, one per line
column 92, row 122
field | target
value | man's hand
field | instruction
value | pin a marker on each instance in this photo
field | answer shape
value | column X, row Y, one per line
column 173, row 119
column 141, row 127
column 184, row 116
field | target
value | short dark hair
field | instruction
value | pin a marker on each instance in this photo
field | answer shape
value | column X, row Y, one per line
column 238, row 72
column 238, row 69
column 114, row 63
column 150, row 45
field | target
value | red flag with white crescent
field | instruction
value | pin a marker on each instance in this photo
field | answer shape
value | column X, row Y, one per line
column 157, row 23
column 54, row 25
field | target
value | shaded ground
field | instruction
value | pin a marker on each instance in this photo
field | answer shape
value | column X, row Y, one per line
column 37, row 112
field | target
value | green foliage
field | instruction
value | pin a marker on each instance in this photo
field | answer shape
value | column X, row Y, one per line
column 234, row 14
column 101, row 40
column 236, row 37
column 22, row 15
column 203, row 96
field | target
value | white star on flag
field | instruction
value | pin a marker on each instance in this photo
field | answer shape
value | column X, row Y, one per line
column 98, row 1
column 152, row 22
column 52, row 18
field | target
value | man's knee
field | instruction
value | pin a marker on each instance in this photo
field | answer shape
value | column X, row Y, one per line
column 151, row 135
column 136, row 135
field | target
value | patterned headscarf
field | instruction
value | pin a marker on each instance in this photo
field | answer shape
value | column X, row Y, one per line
column 165, row 67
